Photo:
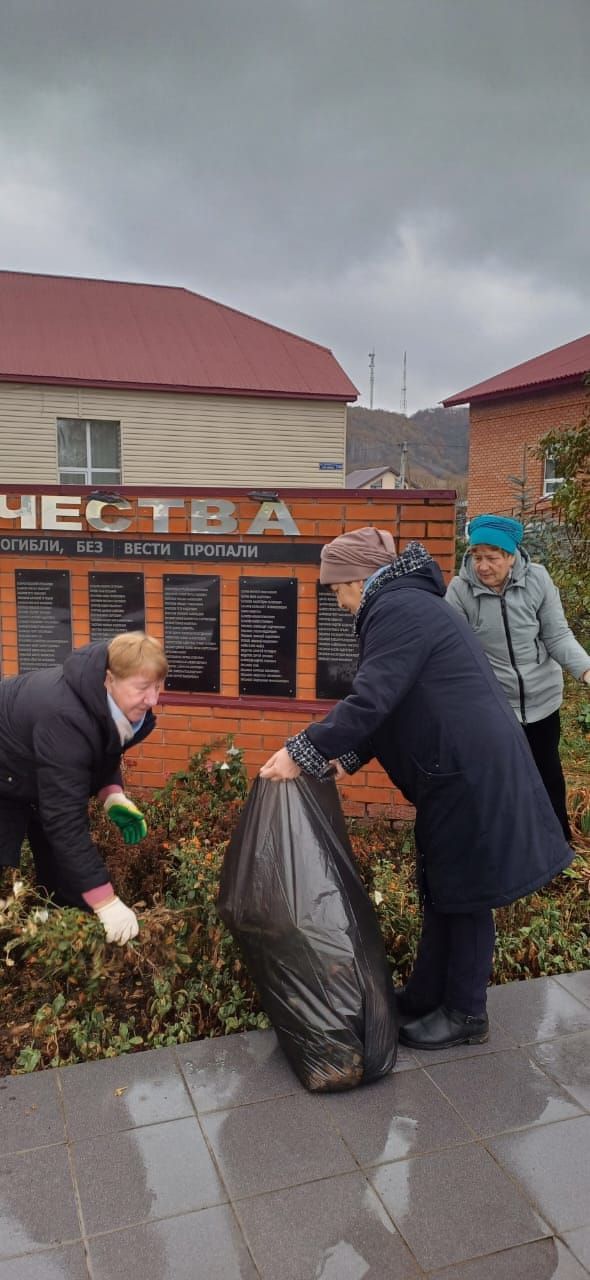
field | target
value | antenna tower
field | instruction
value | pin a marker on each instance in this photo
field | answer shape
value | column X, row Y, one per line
column 403, row 400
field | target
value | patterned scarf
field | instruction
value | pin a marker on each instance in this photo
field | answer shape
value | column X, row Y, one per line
column 413, row 558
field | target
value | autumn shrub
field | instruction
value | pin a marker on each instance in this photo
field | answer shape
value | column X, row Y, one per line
column 544, row 934
column 68, row 996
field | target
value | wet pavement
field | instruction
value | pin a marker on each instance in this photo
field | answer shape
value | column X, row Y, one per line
column 210, row 1160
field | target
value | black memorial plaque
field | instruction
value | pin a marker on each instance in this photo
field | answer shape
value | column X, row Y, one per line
column 43, row 618
column 116, row 604
column 337, row 655
column 268, row 637
column 191, row 632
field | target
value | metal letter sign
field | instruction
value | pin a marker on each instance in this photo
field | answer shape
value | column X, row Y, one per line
column 201, row 515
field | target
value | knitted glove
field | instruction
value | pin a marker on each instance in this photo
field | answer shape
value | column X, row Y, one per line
column 128, row 817
column 119, row 922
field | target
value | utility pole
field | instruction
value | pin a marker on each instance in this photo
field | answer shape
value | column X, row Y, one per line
column 403, row 467
column 371, row 377
column 403, row 401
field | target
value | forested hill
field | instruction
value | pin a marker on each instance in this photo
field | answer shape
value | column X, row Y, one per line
column 437, row 441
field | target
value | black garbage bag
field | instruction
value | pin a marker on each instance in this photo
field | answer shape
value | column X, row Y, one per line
column 291, row 895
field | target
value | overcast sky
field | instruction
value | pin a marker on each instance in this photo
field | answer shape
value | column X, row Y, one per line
column 372, row 174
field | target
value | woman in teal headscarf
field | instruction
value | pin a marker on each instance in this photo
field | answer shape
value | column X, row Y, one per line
column 515, row 610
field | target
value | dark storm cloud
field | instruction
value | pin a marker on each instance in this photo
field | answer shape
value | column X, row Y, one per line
column 397, row 174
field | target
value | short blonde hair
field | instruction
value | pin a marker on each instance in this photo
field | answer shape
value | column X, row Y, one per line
column 130, row 652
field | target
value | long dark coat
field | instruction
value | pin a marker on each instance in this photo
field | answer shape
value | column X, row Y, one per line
column 59, row 745
column 426, row 703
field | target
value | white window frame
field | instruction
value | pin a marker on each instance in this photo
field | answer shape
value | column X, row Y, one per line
column 551, row 483
column 64, row 472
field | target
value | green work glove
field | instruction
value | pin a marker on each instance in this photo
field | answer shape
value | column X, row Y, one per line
column 128, row 817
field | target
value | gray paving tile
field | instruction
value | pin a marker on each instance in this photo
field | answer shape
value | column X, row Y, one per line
column 196, row 1246
column 538, row 1009
column 394, row 1118
column 120, row 1093
column 335, row 1228
column 552, row 1166
column 543, row 1260
column 579, row 1243
column 454, row 1205
column 30, row 1111
column 506, row 1091
column 60, row 1264
column 275, row 1144
column 498, row 1040
column 578, row 984
column 37, row 1206
column 406, row 1060
column 568, row 1061
column 232, row 1070
column 162, row 1169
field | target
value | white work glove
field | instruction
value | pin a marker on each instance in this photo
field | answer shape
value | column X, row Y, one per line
column 586, row 677
column 119, row 922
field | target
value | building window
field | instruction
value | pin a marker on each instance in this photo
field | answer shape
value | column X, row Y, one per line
column 376, row 484
column 88, row 451
column 551, row 481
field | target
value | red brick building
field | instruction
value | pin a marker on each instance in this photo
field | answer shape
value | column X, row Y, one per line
column 509, row 414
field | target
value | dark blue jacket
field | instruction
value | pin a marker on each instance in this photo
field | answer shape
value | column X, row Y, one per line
column 426, row 703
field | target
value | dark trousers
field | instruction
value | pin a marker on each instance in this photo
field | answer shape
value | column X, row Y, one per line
column 454, row 961
column 17, row 820
column 543, row 738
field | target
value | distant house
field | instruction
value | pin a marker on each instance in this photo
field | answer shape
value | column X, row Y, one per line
column 509, row 414
column 105, row 383
column 373, row 478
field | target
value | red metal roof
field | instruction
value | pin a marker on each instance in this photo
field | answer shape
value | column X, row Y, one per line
column 564, row 364
column 59, row 329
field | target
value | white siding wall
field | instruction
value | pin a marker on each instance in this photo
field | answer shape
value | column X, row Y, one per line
column 169, row 439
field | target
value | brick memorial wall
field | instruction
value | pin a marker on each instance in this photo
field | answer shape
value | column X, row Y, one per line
column 228, row 580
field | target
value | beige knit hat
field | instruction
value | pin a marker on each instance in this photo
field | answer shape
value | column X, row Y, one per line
column 354, row 556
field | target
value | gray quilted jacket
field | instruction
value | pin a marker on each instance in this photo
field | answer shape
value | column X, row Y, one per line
column 524, row 632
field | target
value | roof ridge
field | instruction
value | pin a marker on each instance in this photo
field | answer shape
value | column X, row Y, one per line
column 57, row 275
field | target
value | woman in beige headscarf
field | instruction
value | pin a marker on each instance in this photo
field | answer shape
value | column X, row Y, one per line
column 426, row 704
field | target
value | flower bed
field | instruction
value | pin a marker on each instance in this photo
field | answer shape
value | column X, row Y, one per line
column 68, row 997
